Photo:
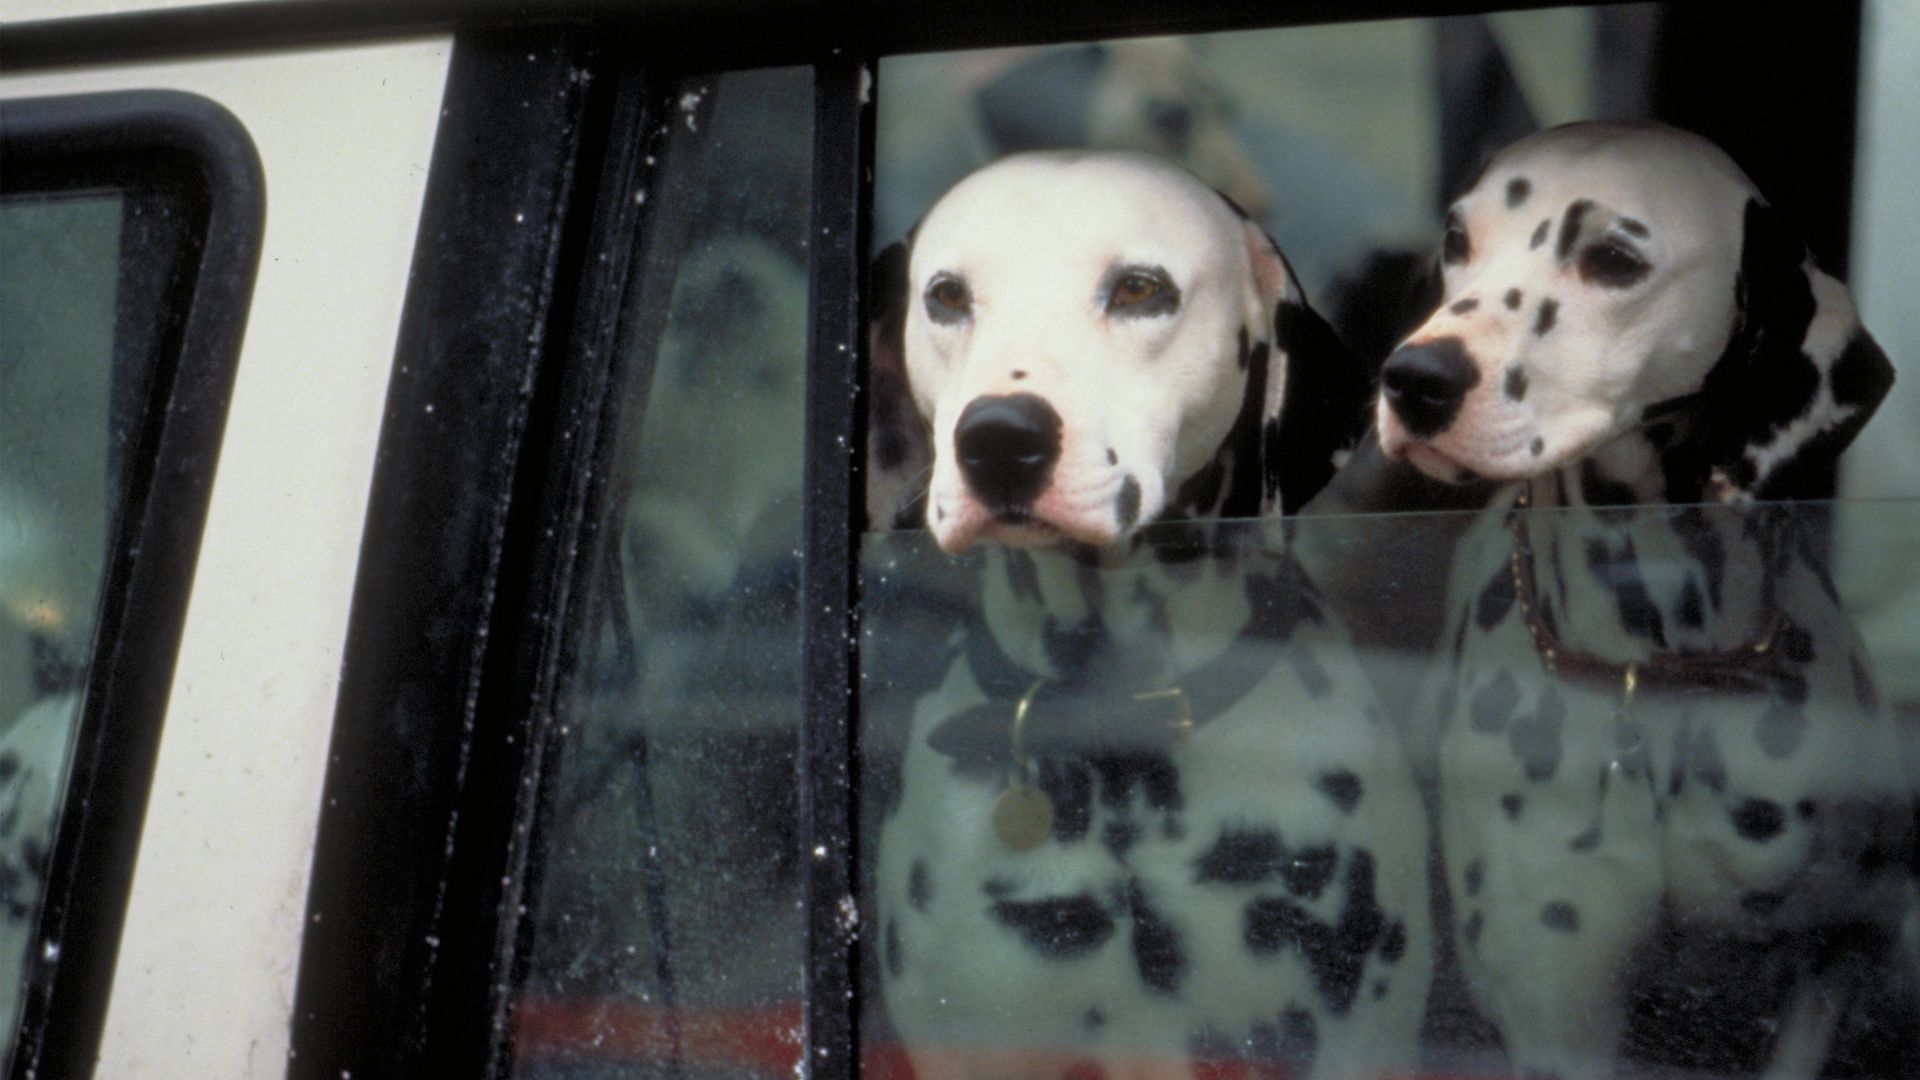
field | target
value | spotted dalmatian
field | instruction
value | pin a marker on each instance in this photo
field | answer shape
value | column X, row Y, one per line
column 1673, row 814
column 1147, row 819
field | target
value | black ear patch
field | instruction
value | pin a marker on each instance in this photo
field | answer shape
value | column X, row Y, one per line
column 1326, row 409
column 898, row 445
column 1765, row 381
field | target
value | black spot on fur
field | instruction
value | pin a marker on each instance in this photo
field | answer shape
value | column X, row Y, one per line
column 1112, row 458
column 1023, row 577
column 1068, row 784
column 1496, row 600
column 1335, row 953
column 1692, row 608
column 1589, row 837
column 919, row 885
column 1095, row 1018
column 1860, row 376
column 1493, row 704
column 1704, row 546
column 1513, row 298
column 1126, row 505
column 1543, row 318
column 1515, row 383
column 1535, row 740
column 998, row 888
column 1018, row 375
column 1560, row 915
column 1062, row 928
column 1241, row 857
column 1763, row 381
column 1511, row 804
column 1539, row 235
column 1517, row 191
column 1597, row 490
column 1327, row 407
column 1805, row 809
column 1759, row 820
column 1307, row 872
column 1156, row 947
column 1796, row 644
column 1120, row 837
column 1570, row 227
column 1761, row 903
column 1639, row 615
column 1537, row 446
column 1471, row 931
column 1394, row 944
column 1780, row 730
column 1474, row 876
column 1461, row 307
column 1341, row 786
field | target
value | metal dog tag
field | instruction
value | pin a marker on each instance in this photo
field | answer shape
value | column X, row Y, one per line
column 1022, row 817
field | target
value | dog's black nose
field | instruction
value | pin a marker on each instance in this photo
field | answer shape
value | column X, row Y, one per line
column 1007, row 447
column 1426, row 383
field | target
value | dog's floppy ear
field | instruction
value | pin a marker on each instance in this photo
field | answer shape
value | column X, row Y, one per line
column 899, row 446
column 1316, row 395
column 1800, row 376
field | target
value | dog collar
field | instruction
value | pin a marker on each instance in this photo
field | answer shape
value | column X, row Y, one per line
column 1743, row 667
column 1028, row 715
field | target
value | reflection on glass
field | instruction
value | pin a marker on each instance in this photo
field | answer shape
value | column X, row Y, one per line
column 1631, row 802
column 59, row 267
column 667, row 926
column 1344, row 141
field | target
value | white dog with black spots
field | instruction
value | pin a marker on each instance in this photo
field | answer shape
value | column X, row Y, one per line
column 1146, row 816
column 1676, row 823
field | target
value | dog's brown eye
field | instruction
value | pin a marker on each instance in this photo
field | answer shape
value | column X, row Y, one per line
column 1133, row 289
column 1611, row 265
column 948, row 300
column 1140, row 292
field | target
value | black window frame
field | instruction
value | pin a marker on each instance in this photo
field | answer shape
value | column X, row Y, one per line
column 202, row 158
column 467, row 590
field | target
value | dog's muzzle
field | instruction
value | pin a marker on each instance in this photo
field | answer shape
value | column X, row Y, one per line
column 1007, row 448
column 1426, row 383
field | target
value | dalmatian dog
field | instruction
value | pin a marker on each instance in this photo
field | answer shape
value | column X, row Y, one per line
column 1675, row 823
column 1146, row 818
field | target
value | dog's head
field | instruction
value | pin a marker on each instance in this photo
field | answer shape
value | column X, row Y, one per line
column 1075, row 344
column 1603, row 278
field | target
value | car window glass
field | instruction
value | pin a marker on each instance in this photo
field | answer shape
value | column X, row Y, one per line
column 667, row 918
column 59, row 261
